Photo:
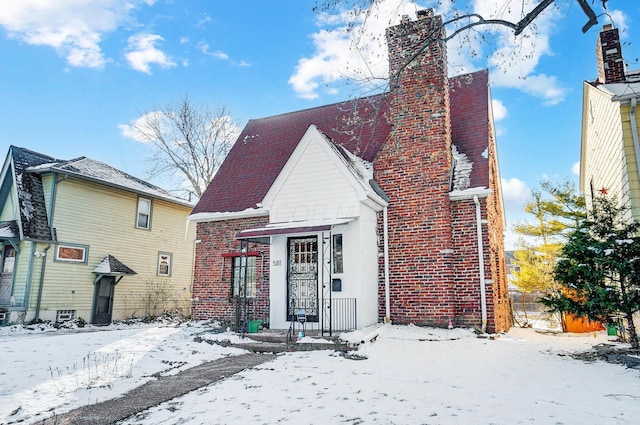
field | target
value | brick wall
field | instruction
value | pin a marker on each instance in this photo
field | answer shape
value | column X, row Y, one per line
column 213, row 271
column 497, row 257
column 609, row 56
column 413, row 169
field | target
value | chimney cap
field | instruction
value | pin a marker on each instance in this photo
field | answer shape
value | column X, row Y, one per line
column 607, row 27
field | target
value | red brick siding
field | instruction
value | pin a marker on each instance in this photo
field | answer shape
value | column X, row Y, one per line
column 609, row 57
column 498, row 261
column 213, row 272
column 413, row 170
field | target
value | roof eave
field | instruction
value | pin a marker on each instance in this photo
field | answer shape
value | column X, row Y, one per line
column 204, row 217
column 80, row 176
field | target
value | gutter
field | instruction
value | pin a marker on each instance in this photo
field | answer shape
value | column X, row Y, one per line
column 387, row 303
column 483, row 289
column 41, row 284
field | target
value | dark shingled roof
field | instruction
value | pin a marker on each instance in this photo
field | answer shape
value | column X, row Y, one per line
column 28, row 166
column 469, row 97
column 361, row 126
column 9, row 229
column 33, row 211
column 110, row 265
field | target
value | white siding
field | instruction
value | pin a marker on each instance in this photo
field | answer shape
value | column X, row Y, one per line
column 315, row 189
column 605, row 162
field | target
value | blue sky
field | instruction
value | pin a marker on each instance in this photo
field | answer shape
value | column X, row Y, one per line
column 75, row 73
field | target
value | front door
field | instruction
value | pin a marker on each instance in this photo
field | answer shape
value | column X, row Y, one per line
column 6, row 274
column 302, row 285
column 103, row 301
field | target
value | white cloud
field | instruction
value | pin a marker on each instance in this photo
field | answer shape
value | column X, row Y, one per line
column 514, row 189
column 204, row 48
column 142, row 53
column 575, row 169
column 619, row 20
column 499, row 110
column 343, row 52
column 514, row 59
column 74, row 28
column 131, row 130
column 204, row 21
column 350, row 46
column 514, row 193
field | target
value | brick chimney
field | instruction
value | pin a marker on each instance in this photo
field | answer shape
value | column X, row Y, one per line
column 609, row 56
column 413, row 169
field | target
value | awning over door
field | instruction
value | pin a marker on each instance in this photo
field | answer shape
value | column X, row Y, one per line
column 262, row 234
column 111, row 266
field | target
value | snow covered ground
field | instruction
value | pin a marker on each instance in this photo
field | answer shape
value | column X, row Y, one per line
column 407, row 375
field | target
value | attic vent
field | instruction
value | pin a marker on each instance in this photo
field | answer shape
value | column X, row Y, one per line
column 65, row 315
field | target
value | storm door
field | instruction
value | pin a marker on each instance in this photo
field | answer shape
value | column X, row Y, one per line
column 103, row 301
column 6, row 274
column 302, row 285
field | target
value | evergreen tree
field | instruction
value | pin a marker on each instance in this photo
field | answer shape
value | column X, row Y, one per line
column 599, row 268
column 556, row 211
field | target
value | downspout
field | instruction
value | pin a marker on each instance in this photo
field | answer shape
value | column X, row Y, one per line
column 634, row 131
column 52, row 204
column 44, row 263
column 483, row 289
column 27, row 291
column 387, row 304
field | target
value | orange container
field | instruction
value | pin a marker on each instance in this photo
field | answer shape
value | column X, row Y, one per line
column 582, row 324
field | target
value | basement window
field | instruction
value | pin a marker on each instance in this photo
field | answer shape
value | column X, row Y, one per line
column 65, row 315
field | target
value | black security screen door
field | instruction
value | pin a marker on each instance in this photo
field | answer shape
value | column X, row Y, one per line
column 103, row 300
column 302, row 288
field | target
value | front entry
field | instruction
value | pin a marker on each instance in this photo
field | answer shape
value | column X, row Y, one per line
column 6, row 274
column 302, row 280
column 103, row 300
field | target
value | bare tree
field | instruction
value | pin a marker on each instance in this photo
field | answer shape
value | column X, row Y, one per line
column 189, row 142
column 460, row 24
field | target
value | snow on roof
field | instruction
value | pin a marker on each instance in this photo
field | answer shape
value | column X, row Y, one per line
column 9, row 229
column 111, row 265
column 621, row 91
column 90, row 169
column 462, row 168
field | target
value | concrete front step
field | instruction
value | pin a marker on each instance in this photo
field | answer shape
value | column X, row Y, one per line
column 276, row 342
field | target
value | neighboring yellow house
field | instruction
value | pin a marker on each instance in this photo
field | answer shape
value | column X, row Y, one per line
column 610, row 151
column 80, row 239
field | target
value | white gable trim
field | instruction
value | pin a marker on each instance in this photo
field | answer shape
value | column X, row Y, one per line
column 228, row 215
column 364, row 193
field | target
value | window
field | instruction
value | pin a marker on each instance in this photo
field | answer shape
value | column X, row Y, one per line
column 240, row 264
column 143, row 220
column 65, row 315
column 337, row 254
column 71, row 253
column 164, row 264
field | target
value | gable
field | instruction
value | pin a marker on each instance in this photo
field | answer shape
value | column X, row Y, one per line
column 361, row 126
column 265, row 145
column 315, row 184
column 29, row 191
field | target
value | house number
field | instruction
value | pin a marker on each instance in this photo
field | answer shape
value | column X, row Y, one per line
column 277, row 263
